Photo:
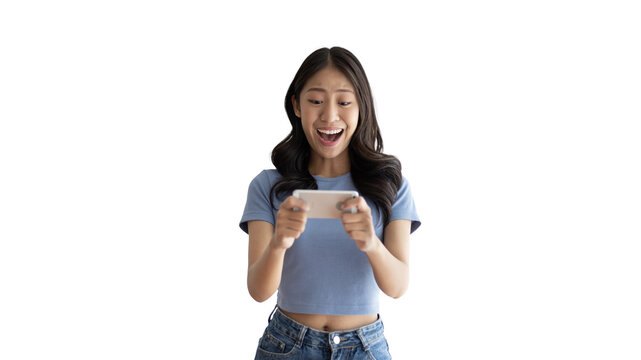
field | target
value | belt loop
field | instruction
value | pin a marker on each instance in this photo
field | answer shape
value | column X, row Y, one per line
column 269, row 319
column 301, row 336
column 361, row 336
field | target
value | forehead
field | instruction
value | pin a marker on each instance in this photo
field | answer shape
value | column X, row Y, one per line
column 330, row 79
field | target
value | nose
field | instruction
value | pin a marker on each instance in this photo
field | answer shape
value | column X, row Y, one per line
column 330, row 112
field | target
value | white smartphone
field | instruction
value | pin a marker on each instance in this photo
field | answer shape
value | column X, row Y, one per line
column 326, row 204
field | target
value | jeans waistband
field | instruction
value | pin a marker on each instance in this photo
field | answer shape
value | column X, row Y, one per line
column 366, row 335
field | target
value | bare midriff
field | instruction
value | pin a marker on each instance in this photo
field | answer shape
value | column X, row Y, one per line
column 332, row 322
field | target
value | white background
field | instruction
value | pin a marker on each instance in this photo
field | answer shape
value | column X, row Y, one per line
column 130, row 131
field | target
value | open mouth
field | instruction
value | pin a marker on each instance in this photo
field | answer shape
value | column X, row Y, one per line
column 329, row 137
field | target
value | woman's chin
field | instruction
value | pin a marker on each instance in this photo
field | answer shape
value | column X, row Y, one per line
column 329, row 153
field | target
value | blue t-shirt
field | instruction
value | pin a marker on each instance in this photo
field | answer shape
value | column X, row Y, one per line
column 324, row 272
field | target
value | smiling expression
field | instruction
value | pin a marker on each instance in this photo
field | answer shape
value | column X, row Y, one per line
column 328, row 110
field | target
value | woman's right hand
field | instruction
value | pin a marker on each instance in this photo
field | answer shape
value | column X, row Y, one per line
column 290, row 222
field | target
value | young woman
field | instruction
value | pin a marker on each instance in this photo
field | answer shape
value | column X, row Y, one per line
column 328, row 272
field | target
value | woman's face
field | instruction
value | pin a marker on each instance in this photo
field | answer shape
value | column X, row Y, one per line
column 329, row 112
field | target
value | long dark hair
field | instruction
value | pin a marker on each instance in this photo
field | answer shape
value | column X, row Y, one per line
column 376, row 175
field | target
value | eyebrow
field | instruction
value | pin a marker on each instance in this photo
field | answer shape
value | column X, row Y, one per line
column 323, row 90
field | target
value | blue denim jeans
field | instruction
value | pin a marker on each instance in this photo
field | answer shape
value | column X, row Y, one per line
column 285, row 338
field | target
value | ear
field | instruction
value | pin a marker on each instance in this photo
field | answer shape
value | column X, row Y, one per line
column 296, row 106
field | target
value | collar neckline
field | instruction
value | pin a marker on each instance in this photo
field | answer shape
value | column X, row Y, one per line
column 321, row 178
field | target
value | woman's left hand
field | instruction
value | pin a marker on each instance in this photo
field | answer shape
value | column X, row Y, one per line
column 359, row 226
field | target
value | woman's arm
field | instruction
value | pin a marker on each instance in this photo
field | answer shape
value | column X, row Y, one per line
column 267, row 246
column 265, row 262
column 390, row 261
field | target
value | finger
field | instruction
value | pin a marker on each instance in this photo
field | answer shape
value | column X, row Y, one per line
column 294, row 233
column 358, row 235
column 299, row 216
column 291, row 230
column 292, row 215
column 289, row 235
column 294, row 202
column 296, row 224
column 355, row 227
column 348, row 218
column 351, row 202
column 364, row 217
column 359, row 203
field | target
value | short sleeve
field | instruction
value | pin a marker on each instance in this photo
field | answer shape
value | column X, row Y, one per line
column 404, row 207
column 258, row 205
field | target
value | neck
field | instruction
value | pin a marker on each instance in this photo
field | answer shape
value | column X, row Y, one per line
column 334, row 167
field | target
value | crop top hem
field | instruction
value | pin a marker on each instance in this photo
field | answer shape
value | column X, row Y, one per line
column 333, row 309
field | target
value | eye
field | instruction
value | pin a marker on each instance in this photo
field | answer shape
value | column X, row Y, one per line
column 315, row 102
column 344, row 103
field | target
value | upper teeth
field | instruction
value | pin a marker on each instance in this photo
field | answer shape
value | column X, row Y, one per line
column 330, row 132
